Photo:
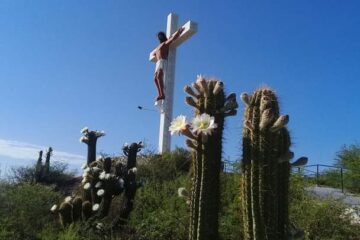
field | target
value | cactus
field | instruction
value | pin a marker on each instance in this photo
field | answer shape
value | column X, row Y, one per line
column 65, row 213
column 77, row 208
column 47, row 162
column 90, row 138
column 39, row 168
column 42, row 171
column 205, row 138
column 129, row 183
column 265, row 168
column 103, row 179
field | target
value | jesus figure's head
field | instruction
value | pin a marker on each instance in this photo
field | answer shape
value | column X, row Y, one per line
column 162, row 37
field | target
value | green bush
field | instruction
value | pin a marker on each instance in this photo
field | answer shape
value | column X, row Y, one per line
column 158, row 211
column 58, row 174
column 166, row 167
column 24, row 210
column 349, row 158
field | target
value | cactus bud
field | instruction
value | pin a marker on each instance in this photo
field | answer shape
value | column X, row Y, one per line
column 202, row 82
column 248, row 125
column 218, row 87
column 190, row 101
column 190, row 91
column 245, row 98
column 266, row 118
column 191, row 144
column 300, row 162
column 197, row 87
column 280, row 123
column 264, row 103
column 286, row 157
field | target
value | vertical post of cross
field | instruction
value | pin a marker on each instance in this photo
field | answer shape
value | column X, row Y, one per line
column 166, row 114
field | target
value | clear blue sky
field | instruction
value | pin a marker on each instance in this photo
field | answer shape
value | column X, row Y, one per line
column 69, row 64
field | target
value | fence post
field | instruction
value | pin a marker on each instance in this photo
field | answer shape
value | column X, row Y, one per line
column 317, row 174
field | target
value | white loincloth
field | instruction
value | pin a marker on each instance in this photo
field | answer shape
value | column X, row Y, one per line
column 161, row 64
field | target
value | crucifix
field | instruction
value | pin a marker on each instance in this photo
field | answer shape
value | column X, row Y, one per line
column 165, row 73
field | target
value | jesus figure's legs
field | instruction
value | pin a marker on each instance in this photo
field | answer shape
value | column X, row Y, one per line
column 159, row 81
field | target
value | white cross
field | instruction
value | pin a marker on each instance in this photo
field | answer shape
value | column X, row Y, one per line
column 190, row 28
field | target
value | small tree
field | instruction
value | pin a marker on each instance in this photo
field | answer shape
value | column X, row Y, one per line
column 348, row 157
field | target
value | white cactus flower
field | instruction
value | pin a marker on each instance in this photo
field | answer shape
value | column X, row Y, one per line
column 95, row 207
column 85, row 175
column 100, row 133
column 133, row 170
column 84, row 130
column 102, row 175
column 178, row 125
column 204, row 124
column 121, row 182
column 199, row 77
column 96, row 169
column 107, row 176
column 86, row 170
column 182, row 192
column 98, row 185
column 100, row 192
column 99, row 226
column 53, row 208
column 87, row 186
column 68, row 199
column 83, row 139
column 84, row 180
column 84, row 166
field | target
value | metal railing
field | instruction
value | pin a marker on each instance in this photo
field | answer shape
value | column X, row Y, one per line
column 320, row 170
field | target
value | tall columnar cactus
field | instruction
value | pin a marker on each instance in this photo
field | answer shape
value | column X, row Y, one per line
column 42, row 170
column 47, row 162
column 39, row 167
column 265, row 168
column 205, row 138
column 130, row 183
column 90, row 138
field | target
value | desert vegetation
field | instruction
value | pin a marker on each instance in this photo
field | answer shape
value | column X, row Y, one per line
column 183, row 194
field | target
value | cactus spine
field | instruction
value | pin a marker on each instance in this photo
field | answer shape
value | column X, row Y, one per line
column 208, row 99
column 265, row 168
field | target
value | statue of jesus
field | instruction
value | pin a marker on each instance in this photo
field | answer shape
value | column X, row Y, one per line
column 161, row 54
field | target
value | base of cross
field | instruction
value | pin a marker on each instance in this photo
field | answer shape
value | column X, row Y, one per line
column 160, row 105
